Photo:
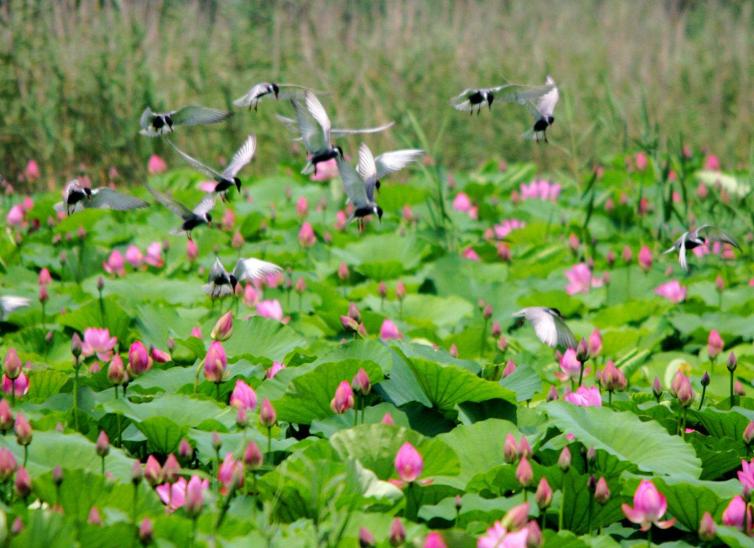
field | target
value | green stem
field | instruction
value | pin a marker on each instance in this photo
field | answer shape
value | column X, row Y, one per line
column 562, row 503
column 609, row 398
column 77, row 367
column 581, row 373
column 701, row 402
column 26, row 454
column 13, row 392
column 649, row 537
column 589, row 515
column 483, row 342
column 103, row 466
column 217, row 391
column 732, row 396
column 269, row 440
column 135, row 501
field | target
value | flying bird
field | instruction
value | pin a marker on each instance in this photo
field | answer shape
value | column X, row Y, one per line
column 191, row 219
column 264, row 90
column 9, row 303
column 222, row 283
column 696, row 238
column 228, row 177
column 373, row 170
column 314, row 126
column 77, row 197
column 541, row 103
column 472, row 99
column 359, row 193
column 156, row 124
column 549, row 326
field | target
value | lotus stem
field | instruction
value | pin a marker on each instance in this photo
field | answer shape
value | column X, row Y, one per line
column 732, row 395
column 562, row 503
column 76, row 395
column 701, row 401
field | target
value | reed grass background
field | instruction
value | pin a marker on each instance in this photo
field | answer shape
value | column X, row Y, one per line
column 75, row 75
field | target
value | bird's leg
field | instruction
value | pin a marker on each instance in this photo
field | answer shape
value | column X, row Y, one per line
column 188, row 234
column 545, row 136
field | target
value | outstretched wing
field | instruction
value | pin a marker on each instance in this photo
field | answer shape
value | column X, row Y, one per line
column 196, row 164
column 352, row 131
column 682, row 255
column 366, row 167
column 242, row 157
column 319, row 113
column 169, row 202
column 206, row 205
column 253, row 96
column 146, row 119
column 105, row 198
column 390, row 162
column 565, row 338
column 308, row 127
column 253, row 269
column 352, row 183
column 217, row 270
column 717, row 235
column 9, row 303
column 194, row 115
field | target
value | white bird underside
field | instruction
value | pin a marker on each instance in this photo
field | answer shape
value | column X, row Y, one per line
column 549, row 328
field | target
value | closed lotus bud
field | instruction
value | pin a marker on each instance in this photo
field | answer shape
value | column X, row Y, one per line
column 94, row 517
column 6, row 417
column 353, row 312
column 510, row 368
column 102, row 447
column 685, row 393
column 137, row 473
column 171, row 469
column 22, row 483
column 400, row 290
column 343, row 271
column 524, row 449
column 194, row 496
column 582, row 351
column 185, row 451
column 495, row 330
column 382, row 289
column 23, row 430
column 732, row 362
column 552, row 394
column 116, row 372
column 749, row 433
column 160, row 356
column 678, row 379
column 601, row 491
column 516, row 517
column 349, row 324
column 524, row 472
column 738, row 389
column 17, row 527
column 252, row 456
column 361, row 382
column 300, row 285
column 502, row 344
column 76, row 345
column 12, row 364
column 223, row 328
column 138, row 358
column 707, row 528
column 387, row 418
column 153, row 471
column 534, row 535
column 705, row 379
column 612, row 378
column 215, row 362
column 564, row 460
column 657, row 388
column 591, row 454
column 267, row 414
column 146, row 530
column 397, row 532
column 458, row 502
column 8, row 464
column 366, row 538
column 543, row 495
column 510, row 450
column 487, row 311
column 217, row 442
column 57, row 476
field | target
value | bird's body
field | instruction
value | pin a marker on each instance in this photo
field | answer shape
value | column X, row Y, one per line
column 265, row 90
column 9, row 303
column 692, row 239
column 540, row 101
column 473, row 99
column 221, row 283
column 77, row 197
column 549, row 326
column 190, row 219
column 157, row 124
column 372, row 169
column 229, row 176
column 360, row 194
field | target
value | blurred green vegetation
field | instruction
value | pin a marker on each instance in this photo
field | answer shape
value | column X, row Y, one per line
column 75, row 75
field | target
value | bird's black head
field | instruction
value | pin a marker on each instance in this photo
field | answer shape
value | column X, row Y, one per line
column 338, row 151
column 208, row 218
column 169, row 120
column 378, row 211
column 490, row 98
column 556, row 312
column 377, row 184
column 550, row 120
column 237, row 181
column 275, row 89
column 88, row 192
column 233, row 282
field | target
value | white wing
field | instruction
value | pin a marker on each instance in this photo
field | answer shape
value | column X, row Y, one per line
column 253, row 269
column 105, row 198
column 253, row 96
column 545, row 329
column 682, row 255
column 390, row 162
column 9, row 303
column 351, row 131
column 193, row 162
column 308, row 127
column 217, row 270
column 319, row 113
column 352, row 183
column 565, row 337
column 367, row 167
column 242, row 157
column 206, row 205
column 217, row 291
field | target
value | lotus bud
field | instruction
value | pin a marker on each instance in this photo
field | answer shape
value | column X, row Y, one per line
column 267, row 415
column 502, row 344
column 76, row 345
column 252, row 456
column 657, row 388
column 582, row 351
column 44, row 295
column 343, row 399
column 171, row 469
column 591, row 454
column 707, row 528
column 534, row 535
column 223, row 328
column 57, row 476
column 510, row 368
column 153, row 471
column 748, row 434
column 397, row 532
column 685, row 393
column 217, row 442
column 705, row 379
column 137, row 473
column 627, row 255
column 487, row 311
column 387, row 418
column 564, row 460
column 185, row 451
column 524, row 449
column 23, row 430
column 361, row 382
column 215, row 362
column 349, row 324
column 516, row 517
column 458, row 502
column 94, row 517
column 6, row 417
column 242, row 418
column 595, row 343
column 510, row 450
column 138, row 358
column 715, row 344
column 610, row 258
column 732, row 362
column 22, row 483
column 738, row 389
column 366, row 538
column 8, row 464
column 102, row 447
column 116, row 372
column 243, row 396
column 495, row 330
column 343, row 272
column 612, row 378
column 12, row 364
column 146, row 531
column 408, row 463
column 194, row 496
column 601, row 491
column 453, row 350
column 160, row 356
column 552, row 394
column 524, row 472
column 382, row 290
column 400, row 290
column 543, row 495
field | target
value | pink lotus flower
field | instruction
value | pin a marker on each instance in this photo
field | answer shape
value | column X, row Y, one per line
column 223, row 328
column 15, row 216
column 389, row 330
column 715, row 344
column 192, row 250
column 196, row 331
column 206, row 186
column 154, row 255
column 570, row 364
column 134, row 257
column 649, row 506
column 195, row 495
column 462, row 203
column 274, row 369
column 243, row 396
column 306, row 236
column 230, row 474
column 595, row 343
column 579, row 279
column 31, row 171
column 326, row 171
column 156, row 165
column 540, row 190
column 98, row 341
column 470, row 254
column 645, row 258
column 498, row 536
column 114, row 264
column 746, row 476
column 302, row 206
column 20, row 387
column 408, row 214
column 672, row 290
column 139, row 360
column 270, row 309
column 343, row 400
column 174, row 496
column 734, row 514
column 159, row 356
column 507, row 226
column 215, row 362
column 250, row 296
column 641, row 161
column 229, row 219
column 712, row 162
column 434, row 540
column 408, row 463
column 585, row 397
